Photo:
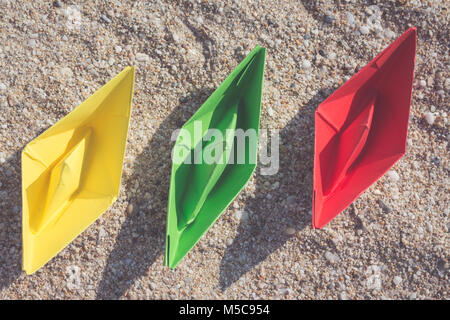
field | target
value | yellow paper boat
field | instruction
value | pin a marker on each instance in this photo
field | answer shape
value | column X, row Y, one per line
column 71, row 173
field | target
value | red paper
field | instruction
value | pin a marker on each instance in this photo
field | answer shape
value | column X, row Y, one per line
column 361, row 129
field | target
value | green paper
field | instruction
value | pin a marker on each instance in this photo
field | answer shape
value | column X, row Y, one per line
column 200, row 192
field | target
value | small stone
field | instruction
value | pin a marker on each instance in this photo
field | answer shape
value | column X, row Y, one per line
column 291, row 200
column 384, row 207
column 447, row 84
column 241, row 215
column 423, row 83
column 397, row 280
column 32, row 43
column 364, row 30
column 229, row 242
column 57, row 4
column 290, row 231
column 393, row 175
column 389, row 34
column 342, row 296
column 105, row 18
column 306, row 64
column 373, row 282
column 130, row 208
column 118, row 49
column 413, row 296
column 65, row 73
column 429, row 118
column 199, row 20
column 409, row 142
column 328, row 18
column 142, row 57
column 152, row 286
column 435, row 160
column 73, row 277
column 332, row 258
column 284, row 291
column 102, row 233
column 350, row 18
column 12, row 100
column 2, row 86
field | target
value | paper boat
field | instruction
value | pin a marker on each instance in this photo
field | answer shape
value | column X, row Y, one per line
column 71, row 173
column 361, row 129
column 200, row 192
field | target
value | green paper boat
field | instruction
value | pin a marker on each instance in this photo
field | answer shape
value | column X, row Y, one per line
column 201, row 189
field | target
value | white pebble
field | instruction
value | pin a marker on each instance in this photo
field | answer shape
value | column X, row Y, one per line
column 429, row 118
column 32, row 43
column 393, row 175
column 241, row 215
column 118, row 49
column 332, row 258
column 102, row 233
column 364, row 30
column 199, row 20
column 350, row 18
column 2, row 86
column 447, row 83
column 423, row 83
column 65, row 73
column 130, row 208
column 374, row 282
column 342, row 296
column 142, row 57
column 306, row 64
column 409, row 142
column 397, row 280
column 388, row 33
column 290, row 231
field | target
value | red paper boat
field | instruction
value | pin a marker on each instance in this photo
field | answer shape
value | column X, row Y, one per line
column 361, row 129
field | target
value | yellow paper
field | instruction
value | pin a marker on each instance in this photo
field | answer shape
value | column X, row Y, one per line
column 71, row 173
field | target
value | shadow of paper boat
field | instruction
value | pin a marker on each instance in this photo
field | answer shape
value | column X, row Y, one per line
column 361, row 129
column 71, row 173
column 200, row 192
